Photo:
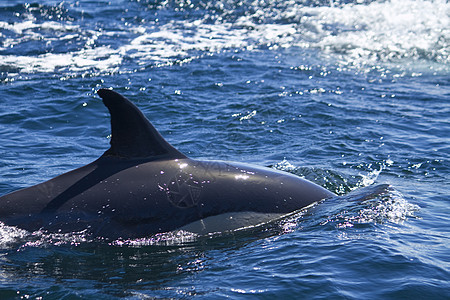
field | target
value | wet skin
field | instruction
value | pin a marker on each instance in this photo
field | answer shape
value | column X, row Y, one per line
column 142, row 186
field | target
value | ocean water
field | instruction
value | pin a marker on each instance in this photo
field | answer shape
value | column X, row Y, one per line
column 352, row 95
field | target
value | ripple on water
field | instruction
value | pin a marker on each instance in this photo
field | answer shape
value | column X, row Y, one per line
column 353, row 34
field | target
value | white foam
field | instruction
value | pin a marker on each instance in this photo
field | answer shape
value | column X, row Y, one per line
column 369, row 178
column 352, row 34
column 381, row 31
column 9, row 234
column 21, row 27
column 101, row 58
column 393, row 207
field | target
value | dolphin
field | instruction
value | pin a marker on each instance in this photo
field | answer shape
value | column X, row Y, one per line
column 142, row 186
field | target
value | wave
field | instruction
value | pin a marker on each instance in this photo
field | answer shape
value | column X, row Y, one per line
column 356, row 34
column 361, row 203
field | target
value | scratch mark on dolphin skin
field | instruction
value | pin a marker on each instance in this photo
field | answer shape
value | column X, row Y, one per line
column 183, row 190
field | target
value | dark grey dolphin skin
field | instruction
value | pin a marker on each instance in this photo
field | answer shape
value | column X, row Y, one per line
column 142, row 186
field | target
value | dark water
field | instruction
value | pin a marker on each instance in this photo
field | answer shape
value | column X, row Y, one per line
column 351, row 95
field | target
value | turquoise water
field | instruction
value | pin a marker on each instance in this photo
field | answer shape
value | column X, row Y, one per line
column 351, row 95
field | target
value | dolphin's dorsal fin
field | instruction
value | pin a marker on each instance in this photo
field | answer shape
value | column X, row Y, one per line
column 133, row 136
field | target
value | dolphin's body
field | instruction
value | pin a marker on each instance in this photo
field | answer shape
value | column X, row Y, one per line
column 143, row 186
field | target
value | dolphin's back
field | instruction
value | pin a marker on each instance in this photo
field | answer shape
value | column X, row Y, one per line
column 142, row 185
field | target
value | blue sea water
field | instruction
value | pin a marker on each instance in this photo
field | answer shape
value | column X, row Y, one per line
column 352, row 95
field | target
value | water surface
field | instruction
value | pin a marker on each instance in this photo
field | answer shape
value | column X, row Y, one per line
column 352, row 95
